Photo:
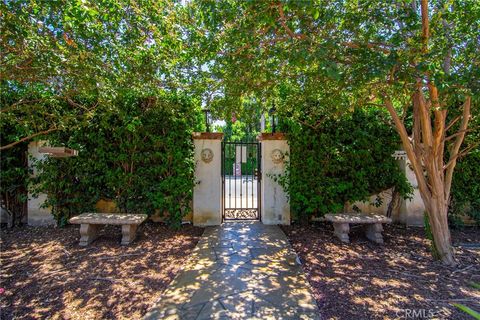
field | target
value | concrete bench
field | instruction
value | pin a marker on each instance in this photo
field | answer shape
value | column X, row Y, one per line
column 91, row 223
column 373, row 229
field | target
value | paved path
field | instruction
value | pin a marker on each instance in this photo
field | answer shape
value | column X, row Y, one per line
column 240, row 270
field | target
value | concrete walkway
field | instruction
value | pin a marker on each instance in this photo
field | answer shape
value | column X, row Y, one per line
column 240, row 270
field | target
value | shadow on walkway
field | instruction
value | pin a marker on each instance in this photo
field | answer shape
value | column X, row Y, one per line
column 239, row 270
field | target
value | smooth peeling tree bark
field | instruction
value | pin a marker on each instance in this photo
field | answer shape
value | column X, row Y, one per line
column 425, row 151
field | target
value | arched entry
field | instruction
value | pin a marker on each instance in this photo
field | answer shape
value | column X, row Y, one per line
column 241, row 178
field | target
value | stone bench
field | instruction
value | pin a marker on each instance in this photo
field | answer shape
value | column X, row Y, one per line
column 373, row 229
column 91, row 223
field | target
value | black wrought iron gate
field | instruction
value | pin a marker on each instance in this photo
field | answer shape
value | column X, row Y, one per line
column 241, row 180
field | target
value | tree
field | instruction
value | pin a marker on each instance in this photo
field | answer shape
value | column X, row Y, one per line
column 65, row 63
column 403, row 55
column 432, row 163
column 61, row 59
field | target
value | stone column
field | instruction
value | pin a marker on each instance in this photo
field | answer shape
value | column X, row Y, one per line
column 275, row 208
column 37, row 216
column 207, row 194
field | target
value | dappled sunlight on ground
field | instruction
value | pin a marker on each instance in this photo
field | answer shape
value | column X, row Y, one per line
column 240, row 270
column 363, row 280
column 46, row 274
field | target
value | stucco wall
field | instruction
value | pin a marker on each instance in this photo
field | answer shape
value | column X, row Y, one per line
column 411, row 211
column 37, row 216
column 207, row 194
column 275, row 208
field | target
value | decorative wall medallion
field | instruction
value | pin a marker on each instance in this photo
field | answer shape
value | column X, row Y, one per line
column 207, row 155
column 277, row 156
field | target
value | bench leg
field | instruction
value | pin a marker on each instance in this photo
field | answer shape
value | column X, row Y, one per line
column 374, row 232
column 88, row 233
column 129, row 231
column 341, row 231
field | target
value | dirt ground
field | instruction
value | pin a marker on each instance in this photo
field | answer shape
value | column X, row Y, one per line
column 397, row 280
column 46, row 274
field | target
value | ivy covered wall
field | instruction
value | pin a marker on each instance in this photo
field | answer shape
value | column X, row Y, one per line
column 137, row 152
column 344, row 159
column 465, row 200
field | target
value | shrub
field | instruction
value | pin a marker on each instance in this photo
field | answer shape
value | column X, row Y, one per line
column 465, row 197
column 14, row 181
column 138, row 152
column 345, row 159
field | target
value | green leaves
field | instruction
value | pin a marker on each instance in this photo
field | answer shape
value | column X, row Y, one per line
column 467, row 310
column 317, row 60
column 346, row 159
column 466, row 190
column 91, row 48
column 138, row 153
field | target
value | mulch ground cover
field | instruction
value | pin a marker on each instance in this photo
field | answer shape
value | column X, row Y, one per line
column 397, row 280
column 46, row 274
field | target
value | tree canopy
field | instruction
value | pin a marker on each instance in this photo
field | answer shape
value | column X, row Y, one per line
column 61, row 59
column 313, row 60
column 417, row 57
column 336, row 52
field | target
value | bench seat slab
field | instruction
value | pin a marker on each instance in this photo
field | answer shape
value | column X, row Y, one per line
column 109, row 218
column 361, row 218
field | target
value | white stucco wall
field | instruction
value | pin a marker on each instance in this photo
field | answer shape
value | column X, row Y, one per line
column 369, row 207
column 409, row 212
column 207, row 194
column 37, row 216
column 275, row 208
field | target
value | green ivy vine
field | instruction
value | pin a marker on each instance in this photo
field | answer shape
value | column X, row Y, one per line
column 346, row 159
column 137, row 152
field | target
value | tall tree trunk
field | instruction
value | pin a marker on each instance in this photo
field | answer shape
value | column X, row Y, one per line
column 426, row 154
column 437, row 212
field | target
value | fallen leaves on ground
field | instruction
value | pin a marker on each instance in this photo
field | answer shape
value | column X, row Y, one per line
column 364, row 280
column 46, row 274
